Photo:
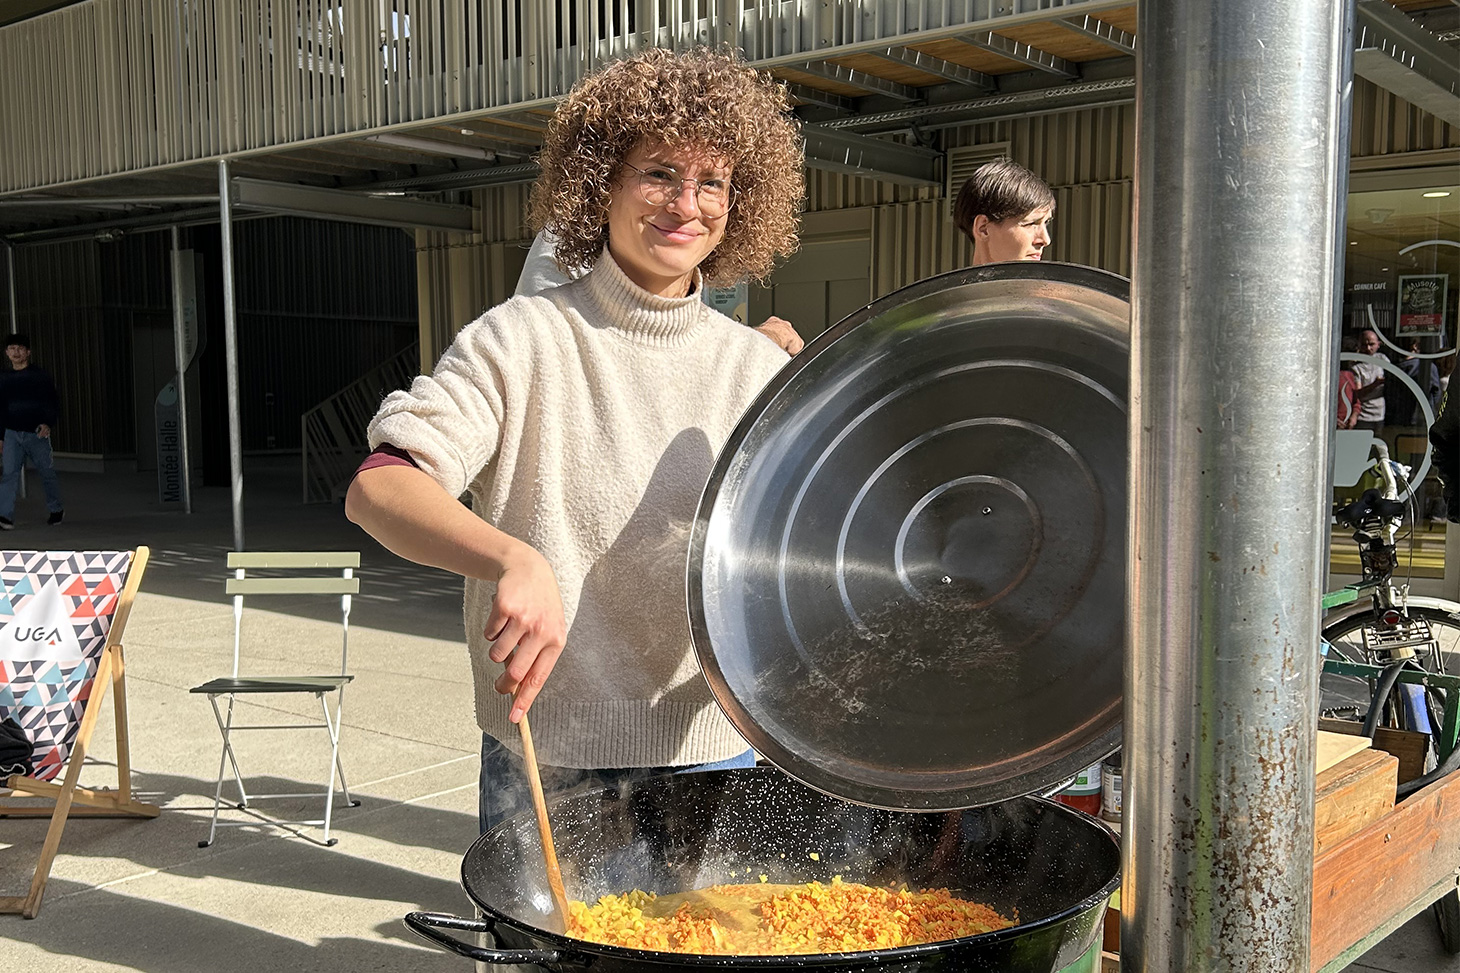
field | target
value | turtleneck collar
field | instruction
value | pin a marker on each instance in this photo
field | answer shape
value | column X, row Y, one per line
column 628, row 308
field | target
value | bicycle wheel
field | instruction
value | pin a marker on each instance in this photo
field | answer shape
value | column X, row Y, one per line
column 1447, row 917
column 1345, row 633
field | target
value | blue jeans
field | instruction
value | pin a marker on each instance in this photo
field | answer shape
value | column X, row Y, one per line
column 19, row 445
column 503, row 791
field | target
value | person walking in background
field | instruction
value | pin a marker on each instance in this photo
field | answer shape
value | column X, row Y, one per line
column 1348, row 386
column 1005, row 210
column 30, row 405
column 1371, row 383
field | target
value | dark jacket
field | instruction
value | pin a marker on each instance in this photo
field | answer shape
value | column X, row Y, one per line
column 28, row 399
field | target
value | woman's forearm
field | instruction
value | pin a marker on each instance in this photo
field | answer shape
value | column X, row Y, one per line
column 410, row 514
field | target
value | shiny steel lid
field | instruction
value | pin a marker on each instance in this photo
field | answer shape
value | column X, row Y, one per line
column 906, row 577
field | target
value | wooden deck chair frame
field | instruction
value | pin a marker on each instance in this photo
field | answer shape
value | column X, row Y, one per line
column 69, row 799
column 344, row 584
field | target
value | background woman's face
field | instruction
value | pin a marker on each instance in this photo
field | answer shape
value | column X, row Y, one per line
column 1017, row 238
column 659, row 246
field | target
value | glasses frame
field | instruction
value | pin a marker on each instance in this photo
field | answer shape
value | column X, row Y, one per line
column 645, row 189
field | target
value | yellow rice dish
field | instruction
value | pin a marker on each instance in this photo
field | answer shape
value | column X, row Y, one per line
column 781, row 919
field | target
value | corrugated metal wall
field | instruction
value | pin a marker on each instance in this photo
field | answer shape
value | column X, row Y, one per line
column 318, row 304
column 1087, row 157
column 79, row 303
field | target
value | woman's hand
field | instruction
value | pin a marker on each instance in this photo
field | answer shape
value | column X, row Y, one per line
column 526, row 626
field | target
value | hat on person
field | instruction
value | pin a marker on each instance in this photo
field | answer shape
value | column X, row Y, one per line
column 17, row 338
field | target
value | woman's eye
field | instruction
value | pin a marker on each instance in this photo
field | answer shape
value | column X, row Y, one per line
column 715, row 185
column 661, row 175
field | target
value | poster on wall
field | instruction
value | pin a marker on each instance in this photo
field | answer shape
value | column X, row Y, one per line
column 1422, row 299
column 729, row 301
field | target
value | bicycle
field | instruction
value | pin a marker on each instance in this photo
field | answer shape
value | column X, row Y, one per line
column 1397, row 653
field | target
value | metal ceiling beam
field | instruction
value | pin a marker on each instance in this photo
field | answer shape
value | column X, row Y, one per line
column 104, row 202
column 1402, row 57
column 1099, row 30
column 1084, row 94
column 463, row 179
column 861, row 155
column 859, row 79
column 1021, row 52
column 434, row 146
column 824, row 99
column 928, row 64
column 349, row 206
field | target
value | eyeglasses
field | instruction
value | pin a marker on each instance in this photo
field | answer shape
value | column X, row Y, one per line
column 661, row 185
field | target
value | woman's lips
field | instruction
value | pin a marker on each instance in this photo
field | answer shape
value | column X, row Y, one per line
column 677, row 235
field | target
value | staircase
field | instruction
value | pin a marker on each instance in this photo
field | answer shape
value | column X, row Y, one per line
column 333, row 432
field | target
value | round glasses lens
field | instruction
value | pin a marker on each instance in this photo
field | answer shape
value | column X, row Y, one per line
column 661, row 187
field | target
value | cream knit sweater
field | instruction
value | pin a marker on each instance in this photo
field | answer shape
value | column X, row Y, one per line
column 585, row 422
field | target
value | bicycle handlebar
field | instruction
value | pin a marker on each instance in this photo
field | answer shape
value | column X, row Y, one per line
column 1370, row 506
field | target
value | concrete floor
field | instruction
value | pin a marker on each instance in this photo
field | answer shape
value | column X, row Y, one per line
column 141, row 895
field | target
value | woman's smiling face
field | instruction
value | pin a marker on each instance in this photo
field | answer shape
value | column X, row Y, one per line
column 659, row 245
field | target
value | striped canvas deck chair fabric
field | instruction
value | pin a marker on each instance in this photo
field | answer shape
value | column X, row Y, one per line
column 62, row 618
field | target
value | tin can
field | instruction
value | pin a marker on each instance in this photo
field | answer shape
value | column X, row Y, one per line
column 1110, row 788
column 1083, row 793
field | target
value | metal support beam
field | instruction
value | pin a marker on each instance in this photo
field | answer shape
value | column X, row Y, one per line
column 1231, row 396
column 1086, row 94
column 230, row 350
column 860, row 155
column 808, row 95
column 1099, row 30
column 10, row 284
column 1023, row 53
column 859, row 79
column 928, row 64
column 350, row 207
column 104, row 202
column 1400, row 56
column 465, row 179
column 182, row 356
column 452, row 150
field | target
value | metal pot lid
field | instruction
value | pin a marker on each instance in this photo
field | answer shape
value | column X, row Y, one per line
column 906, row 577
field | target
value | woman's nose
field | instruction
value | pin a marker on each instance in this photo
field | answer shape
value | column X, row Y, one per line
column 687, row 200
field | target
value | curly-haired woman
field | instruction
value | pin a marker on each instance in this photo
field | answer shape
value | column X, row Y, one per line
column 584, row 423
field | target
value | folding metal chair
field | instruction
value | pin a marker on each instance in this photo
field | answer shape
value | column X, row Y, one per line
column 344, row 584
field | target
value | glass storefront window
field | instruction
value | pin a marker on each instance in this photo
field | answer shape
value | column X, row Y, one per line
column 1401, row 283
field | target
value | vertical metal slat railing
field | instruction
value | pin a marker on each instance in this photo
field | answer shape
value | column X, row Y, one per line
column 109, row 86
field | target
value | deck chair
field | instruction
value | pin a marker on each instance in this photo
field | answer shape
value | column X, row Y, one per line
column 62, row 618
column 344, row 584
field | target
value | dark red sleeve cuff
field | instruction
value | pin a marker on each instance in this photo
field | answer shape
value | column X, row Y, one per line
column 386, row 455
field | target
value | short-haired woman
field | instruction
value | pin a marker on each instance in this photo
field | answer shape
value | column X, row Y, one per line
column 584, row 423
column 1005, row 210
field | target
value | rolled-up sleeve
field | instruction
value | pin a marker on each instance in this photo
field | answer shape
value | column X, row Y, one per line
column 450, row 421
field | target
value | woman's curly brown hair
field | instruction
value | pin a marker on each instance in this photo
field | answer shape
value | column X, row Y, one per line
column 701, row 99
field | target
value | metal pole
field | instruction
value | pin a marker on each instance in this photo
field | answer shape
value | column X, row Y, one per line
column 1237, row 168
column 10, row 283
column 180, row 354
column 230, row 348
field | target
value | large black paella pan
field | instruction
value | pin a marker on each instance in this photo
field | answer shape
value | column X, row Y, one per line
column 1052, row 866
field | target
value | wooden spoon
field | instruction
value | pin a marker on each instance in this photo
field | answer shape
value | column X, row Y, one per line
column 544, row 830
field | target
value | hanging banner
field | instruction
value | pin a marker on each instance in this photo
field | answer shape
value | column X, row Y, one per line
column 1422, row 300
column 168, row 425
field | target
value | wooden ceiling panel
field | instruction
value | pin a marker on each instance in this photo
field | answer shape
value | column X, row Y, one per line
column 1054, row 39
column 888, row 70
column 971, row 57
column 819, row 83
column 488, row 128
column 1124, row 18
